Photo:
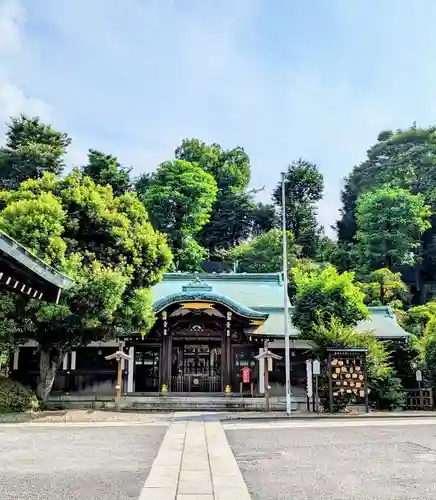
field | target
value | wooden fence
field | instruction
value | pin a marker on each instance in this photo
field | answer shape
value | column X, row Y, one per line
column 419, row 399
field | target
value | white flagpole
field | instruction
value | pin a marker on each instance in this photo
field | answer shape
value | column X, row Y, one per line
column 286, row 305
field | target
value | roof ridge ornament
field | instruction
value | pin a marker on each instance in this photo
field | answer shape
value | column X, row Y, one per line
column 196, row 285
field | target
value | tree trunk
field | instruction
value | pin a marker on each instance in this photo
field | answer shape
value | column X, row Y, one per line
column 47, row 373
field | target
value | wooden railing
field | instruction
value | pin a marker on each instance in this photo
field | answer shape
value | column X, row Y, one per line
column 419, row 399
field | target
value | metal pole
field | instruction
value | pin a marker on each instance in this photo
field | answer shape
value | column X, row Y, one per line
column 286, row 307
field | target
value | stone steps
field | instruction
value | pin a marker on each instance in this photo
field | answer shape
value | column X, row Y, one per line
column 170, row 403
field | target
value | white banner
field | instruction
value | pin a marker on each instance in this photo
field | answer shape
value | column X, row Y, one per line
column 309, row 387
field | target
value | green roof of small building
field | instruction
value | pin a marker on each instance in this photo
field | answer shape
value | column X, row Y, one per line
column 262, row 292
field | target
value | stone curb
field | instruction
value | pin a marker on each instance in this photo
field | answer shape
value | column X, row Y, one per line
column 253, row 418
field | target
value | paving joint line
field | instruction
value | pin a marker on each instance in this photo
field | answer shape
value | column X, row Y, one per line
column 208, row 459
column 181, row 462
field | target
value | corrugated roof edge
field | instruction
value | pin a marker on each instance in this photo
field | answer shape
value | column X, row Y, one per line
column 34, row 263
column 270, row 277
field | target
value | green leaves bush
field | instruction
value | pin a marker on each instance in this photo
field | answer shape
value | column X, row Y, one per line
column 14, row 397
column 386, row 391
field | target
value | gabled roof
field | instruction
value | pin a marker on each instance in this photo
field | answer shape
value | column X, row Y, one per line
column 203, row 292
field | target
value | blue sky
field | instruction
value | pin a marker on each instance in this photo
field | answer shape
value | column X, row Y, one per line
column 283, row 78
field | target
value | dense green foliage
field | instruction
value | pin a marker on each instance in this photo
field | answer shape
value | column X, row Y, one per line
column 385, row 387
column 404, row 159
column 383, row 287
column 115, row 235
column 324, row 295
column 390, row 223
column 107, row 170
column 262, row 254
column 179, row 200
column 104, row 242
column 14, row 397
column 416, row 319
column 31, row 148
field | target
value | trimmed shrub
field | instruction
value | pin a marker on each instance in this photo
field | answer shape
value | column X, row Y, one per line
column 14, row 397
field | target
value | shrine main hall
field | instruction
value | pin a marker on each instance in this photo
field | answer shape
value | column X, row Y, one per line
column 208, row 328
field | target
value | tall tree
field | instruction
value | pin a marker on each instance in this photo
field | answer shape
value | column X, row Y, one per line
column 303, row 189
column 405, row 159
column 230, row 168
column 231, row 221
column 179, row 200
column 106, row 170
column 106, row 243
column 390, row 223
column 232, row 213
column 31, row 149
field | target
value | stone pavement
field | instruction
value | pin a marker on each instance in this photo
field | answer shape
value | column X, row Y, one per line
column 195, row 462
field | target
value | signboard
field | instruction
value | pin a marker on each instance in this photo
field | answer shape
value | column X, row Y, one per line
column 347, row 370
column 316, row 367
column 309, row 387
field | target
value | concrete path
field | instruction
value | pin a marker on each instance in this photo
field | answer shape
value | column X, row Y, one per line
column 195, row 462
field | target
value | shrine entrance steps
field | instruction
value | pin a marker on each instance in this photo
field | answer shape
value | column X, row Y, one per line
column 206, row 402
column 173, row 402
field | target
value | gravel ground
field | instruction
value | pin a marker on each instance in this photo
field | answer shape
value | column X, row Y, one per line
column 82, row 463
column 353, row 463
column 83, row 416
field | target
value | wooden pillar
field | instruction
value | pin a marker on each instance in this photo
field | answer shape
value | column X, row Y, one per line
column 223, row 361
column 226, row 354
column 169, row 360
column 166, row 362
column 229, row 363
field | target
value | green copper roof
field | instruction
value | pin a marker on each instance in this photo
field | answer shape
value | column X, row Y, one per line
column 259, row 291
column 199, row 290
column 382, row 322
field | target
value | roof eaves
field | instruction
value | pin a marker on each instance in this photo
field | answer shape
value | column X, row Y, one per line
column 29, row 260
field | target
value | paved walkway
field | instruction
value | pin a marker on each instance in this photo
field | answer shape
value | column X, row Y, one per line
column 195, row 462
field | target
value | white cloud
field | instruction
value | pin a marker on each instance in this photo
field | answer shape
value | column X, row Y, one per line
column 11, row 19
column 13, row 100
column 135, row 77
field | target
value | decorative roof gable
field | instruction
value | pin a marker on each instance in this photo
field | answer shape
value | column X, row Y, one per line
column 200, row 291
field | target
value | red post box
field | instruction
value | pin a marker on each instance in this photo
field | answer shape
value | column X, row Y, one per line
column 246, row 375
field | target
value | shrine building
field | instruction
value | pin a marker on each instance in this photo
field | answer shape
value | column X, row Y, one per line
column 208, row 327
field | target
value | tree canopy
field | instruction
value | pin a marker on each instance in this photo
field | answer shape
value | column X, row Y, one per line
column 304, row 186
column 390, row 223
column 262, row 254
column 105, row 169
column 323, row 295
column 104, row 242
column 31, row 148
column 179, row 199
